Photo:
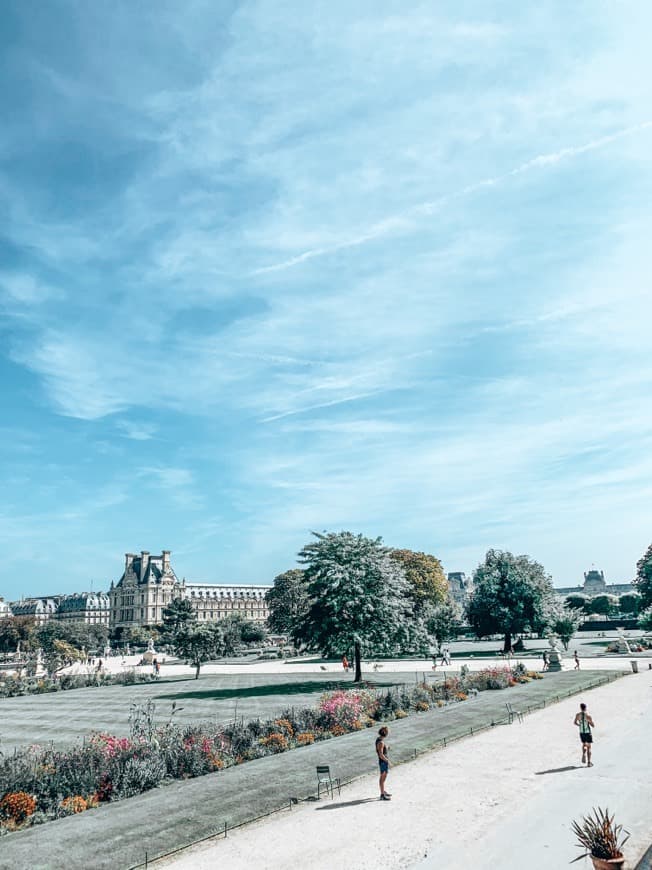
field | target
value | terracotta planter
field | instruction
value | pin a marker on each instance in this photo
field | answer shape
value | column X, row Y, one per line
column 608, row 863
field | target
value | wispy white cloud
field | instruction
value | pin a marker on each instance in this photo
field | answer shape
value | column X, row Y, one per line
column 403, row 221
column 137, row 431
column 273, row 217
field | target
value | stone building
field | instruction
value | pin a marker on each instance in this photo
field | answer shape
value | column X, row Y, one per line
column 5, row 610
column 146, row 586
column 149, row 583
column 217, row 601
column 41, row 609
column 595, row 584
column 460, row 587
column 89, row 607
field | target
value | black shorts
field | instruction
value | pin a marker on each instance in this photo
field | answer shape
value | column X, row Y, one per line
column 586, row 738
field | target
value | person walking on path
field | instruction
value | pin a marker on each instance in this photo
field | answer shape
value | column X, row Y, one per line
column 383, row 761
column 585, row 723
column 345, row 663
column 576, row 659
column 545, row 660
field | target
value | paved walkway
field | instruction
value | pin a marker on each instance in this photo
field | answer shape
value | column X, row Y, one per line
column 184, row 812
column 505, row 798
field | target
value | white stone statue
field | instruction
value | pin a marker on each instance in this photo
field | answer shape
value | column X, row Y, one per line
column 554, row 655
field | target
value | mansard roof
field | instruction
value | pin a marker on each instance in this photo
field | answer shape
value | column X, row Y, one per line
column 83, row 601
column 144, row 569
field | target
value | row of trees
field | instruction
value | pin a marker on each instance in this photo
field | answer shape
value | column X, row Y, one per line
column 628, row 605
column 199, row 642
column 354, row 594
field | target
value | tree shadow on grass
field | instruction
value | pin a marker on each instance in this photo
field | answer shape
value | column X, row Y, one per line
column 558, row 769
column 303, row 688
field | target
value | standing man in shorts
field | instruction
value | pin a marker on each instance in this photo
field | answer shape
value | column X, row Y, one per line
column 585, row 723
column 383, row 761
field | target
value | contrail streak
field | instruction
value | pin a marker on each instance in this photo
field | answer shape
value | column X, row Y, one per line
column 402, row 220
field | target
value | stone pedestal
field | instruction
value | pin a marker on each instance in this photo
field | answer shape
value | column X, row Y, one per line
column 150, row 653
column 554, row 660
column 623, row 643
column 554, row 654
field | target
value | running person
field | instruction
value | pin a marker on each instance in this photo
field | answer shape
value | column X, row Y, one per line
column 383, row 761
column 585, row 723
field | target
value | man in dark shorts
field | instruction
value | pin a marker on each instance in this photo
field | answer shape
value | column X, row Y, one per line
column 585, row 723
column 383, row 761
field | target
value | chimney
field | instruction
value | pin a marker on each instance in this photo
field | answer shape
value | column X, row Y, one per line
column 166, row 561
column 144, row 563
column 129, row 558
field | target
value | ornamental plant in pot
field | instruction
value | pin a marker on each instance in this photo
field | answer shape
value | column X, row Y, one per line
column 602, row 839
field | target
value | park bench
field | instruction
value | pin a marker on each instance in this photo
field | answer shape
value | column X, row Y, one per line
column 325, row 781
column 511, row 713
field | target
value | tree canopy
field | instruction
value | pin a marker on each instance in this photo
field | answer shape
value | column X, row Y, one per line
column 427, row 583
column 199, row 643
column 575, row 601
column 287, row 601
column 630, row 603
column 643, row 579
column 443, row 621
column 178, row 614
column 358, row 597
column 603, row 605
column 511, row 594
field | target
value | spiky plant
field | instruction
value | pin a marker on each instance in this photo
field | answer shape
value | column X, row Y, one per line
column 599, row 836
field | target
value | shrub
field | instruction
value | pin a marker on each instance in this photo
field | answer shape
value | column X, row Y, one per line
column 74, row 804
column 275, row 741
column 17, row 806
column 422, row 706
column 305, row 738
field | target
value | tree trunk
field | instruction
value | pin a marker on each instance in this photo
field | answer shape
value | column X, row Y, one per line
column 358, row 662
column 508, row 642
column 197, row 667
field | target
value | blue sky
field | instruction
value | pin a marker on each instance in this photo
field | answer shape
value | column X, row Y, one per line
column 269, row 267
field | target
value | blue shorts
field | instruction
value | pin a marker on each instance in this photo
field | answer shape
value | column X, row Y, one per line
column 384, row 766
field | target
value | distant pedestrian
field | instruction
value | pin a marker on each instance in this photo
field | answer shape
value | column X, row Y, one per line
column 158, row 667
column 576, row 659
column 383, row 761
column 585, row 723
column 434, row 662
column 99, row 665
column 546, row 660
column 345, row 663
column 445, row 657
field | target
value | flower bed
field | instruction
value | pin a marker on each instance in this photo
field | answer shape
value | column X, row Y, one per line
column 13, row 687
column 40, row 783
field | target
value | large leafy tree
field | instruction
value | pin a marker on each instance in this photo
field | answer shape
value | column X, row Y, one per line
column 231, row 628
column 199, row 643
column 643, row 580
column 645, row 619
column 252, row 632
column 427, row 583
column 511, row 594
column 15, row 630
column 603, row 605
column 575, row 601
column 358, row 597
column 630, row 603
column 287, row 601
column 443, row 621
column 178, row 614
column 75, row 632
